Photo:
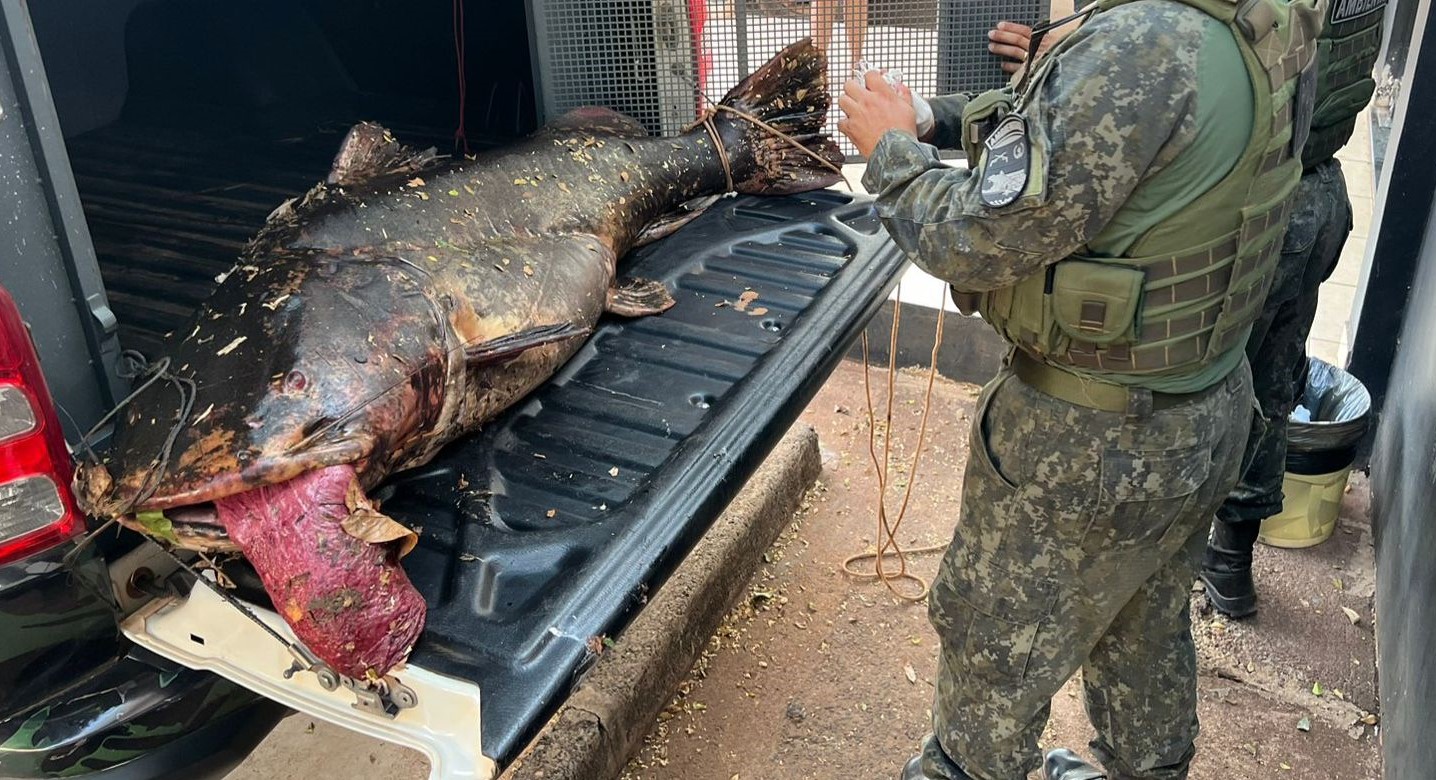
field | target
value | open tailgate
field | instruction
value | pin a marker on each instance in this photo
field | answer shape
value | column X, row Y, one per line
column 544, row 534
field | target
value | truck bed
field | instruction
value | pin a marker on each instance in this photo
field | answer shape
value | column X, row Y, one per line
column 169, row 209
column 548, row 529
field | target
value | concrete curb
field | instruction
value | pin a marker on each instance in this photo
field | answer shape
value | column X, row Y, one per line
column 603, row 723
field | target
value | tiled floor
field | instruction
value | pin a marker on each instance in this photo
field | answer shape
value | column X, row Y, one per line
column 1330, row 334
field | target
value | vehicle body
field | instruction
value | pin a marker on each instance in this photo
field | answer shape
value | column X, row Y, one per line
column 142, row 151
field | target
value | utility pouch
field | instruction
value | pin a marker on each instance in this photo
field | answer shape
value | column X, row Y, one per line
column 1097, row 303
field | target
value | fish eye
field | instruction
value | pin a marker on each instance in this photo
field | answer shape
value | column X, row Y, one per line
column 296, row 381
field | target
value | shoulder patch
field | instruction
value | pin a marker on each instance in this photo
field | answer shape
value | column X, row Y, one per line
column 1007, row 163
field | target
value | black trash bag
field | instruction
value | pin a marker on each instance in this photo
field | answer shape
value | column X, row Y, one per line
column 1340, row 407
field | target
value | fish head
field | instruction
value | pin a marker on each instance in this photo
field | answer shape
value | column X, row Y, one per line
column 288, row 367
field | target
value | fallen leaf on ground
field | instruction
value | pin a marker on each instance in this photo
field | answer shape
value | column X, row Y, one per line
column 1352, row 616
column 910, row 673
column 1316, row 689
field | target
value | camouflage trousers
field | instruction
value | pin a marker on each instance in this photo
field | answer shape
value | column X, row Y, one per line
column 1320, row 223
column 1079, row 540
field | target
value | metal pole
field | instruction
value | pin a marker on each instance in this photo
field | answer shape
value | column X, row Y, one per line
column 740, row 17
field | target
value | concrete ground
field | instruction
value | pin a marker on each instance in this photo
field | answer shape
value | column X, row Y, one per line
column 816, row 675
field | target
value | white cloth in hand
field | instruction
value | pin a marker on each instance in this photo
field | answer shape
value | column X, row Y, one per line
column 925, row 120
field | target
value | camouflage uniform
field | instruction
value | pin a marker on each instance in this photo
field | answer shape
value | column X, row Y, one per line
column 1082, row 526
column 1080, row 535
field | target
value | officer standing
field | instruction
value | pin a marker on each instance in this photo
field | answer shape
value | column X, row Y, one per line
column 1347, row 49
column 1119, row 226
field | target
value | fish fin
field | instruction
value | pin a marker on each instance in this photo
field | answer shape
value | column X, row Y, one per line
column 515, row 344
column 669, row 223
column 595, row 119
column 369, row 152
column 638, row 298
column 788, row 94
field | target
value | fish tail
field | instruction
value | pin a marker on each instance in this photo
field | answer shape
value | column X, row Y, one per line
column 784, row 150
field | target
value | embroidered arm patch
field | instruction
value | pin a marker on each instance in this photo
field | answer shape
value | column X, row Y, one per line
column 1007, row 162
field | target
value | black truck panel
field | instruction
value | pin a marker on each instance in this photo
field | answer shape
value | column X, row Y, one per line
column 546, row 530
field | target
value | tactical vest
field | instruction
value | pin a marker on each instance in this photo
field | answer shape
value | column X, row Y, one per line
column 1346, row 52
column 1191, row 286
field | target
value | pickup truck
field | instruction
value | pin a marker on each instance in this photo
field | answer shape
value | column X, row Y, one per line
column 141, row 143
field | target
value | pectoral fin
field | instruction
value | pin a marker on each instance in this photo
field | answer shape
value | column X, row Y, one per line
column 638, row 298
column 515, row 344
column 669, row 223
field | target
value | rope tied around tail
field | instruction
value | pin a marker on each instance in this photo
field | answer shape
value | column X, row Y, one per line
column 706, row 122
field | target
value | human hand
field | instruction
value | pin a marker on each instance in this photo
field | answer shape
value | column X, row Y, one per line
column 871, row 108
column 1011, row 41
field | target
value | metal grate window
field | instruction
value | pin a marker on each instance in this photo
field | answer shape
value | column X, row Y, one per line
column 654, row 59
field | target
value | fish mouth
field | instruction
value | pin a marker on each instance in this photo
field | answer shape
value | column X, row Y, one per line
column 189, row 506
column 195, row 527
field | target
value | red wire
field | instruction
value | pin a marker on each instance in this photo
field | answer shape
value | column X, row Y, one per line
column 460, row 137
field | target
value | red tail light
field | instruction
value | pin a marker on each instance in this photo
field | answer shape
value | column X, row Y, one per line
column 36, row 509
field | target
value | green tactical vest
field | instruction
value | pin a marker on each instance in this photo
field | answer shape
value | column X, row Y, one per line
column 1346, row 52
column 1190, row 287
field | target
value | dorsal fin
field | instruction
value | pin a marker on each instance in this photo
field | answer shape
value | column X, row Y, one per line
column 369, row 151
column 595, row 119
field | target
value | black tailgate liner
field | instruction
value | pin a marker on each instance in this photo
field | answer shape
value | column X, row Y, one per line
column 685, row 406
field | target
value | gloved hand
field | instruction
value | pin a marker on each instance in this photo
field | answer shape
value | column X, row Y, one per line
column 894, row 77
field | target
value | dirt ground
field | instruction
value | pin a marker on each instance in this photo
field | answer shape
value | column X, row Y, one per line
column 821, row 676
column 817, row 675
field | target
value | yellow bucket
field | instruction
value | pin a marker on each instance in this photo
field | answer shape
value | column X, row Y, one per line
column 1310, row 506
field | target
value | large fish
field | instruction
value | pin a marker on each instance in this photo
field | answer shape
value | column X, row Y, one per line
column 400, row 304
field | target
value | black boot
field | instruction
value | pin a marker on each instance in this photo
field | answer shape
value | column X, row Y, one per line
column 944, row 766
column 1063, row 764
column 912, row 770
column 1227, row 568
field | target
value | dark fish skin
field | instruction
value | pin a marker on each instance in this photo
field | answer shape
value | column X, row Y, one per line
column 398, row 306
column 408, row 299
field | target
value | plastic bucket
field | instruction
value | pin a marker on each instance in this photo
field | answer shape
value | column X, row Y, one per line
column 1310, row 505
column 1320, row 451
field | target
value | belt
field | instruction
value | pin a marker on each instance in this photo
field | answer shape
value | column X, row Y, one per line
column 1094, row 393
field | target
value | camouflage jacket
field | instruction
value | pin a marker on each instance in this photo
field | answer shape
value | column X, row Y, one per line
column 1119, row 106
